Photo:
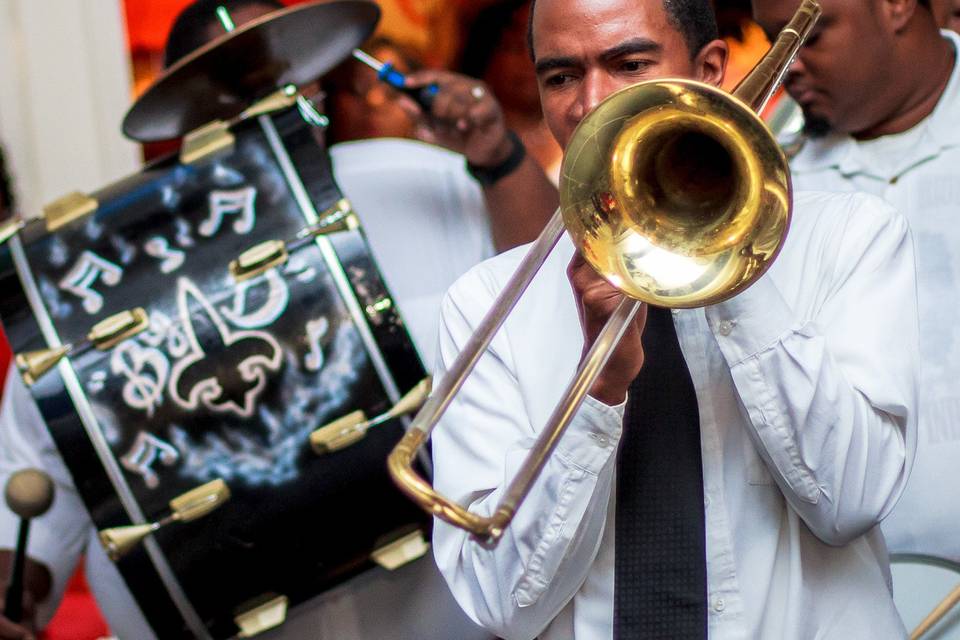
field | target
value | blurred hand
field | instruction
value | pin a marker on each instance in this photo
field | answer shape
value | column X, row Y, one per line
column 24, row 630
column 596, row 301
column 465, row 117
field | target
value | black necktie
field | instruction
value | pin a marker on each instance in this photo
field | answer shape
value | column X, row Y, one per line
column 661, row 575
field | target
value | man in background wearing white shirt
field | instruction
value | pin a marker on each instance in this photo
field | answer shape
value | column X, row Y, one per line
column 427, row 221
column 882, row 86
column 793, row 441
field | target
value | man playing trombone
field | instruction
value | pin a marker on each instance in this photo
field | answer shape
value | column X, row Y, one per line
column 728, row 470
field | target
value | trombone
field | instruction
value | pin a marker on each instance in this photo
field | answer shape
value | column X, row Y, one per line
column 678, row 195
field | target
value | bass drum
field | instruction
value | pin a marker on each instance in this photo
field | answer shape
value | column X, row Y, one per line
column 188, row 415
column 920, row 584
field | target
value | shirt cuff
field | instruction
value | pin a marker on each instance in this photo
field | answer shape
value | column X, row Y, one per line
column 592, row 436
column 752, row 322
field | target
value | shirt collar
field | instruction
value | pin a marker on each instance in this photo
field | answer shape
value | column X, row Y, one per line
column 841, row 152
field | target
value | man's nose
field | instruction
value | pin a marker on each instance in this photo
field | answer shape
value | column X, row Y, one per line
column 593, row 90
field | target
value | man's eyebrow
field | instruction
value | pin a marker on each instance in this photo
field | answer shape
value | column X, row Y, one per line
column 631, row 47
column 549, row 64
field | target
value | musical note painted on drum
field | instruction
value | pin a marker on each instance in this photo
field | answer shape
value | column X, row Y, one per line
column 195, row 378
column 276, row 299
column 81, row 279
column 170, row 259
column 146, row 450
column 238, row 202
column 316, row 330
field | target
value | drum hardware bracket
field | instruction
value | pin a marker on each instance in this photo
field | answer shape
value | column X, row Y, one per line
column 402, row 551
column 273, row 253
column 375, row 310
column 190, row 506
column 262, row 617
column 57, row 214
column 215, row 138
column 104, row 335
column 352, row 428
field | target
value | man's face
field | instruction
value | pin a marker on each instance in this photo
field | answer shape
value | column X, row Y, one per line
column 947, row 13
column 838, row 77
column 584, row 50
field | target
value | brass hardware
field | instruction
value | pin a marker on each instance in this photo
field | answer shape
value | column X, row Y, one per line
column 277, row 101
column 273, row 253
column 263, row 617
column 374, row 310
column 103, row 336
column 33, row 364
column 259, row 259
column 68, row 208
column 108, row 333
column 187, row 507
column 400, row 552
column 11, row 228
column 198, row 502
column 351, row 428
column 677, row 194
column 339, row 434
column 208, row 141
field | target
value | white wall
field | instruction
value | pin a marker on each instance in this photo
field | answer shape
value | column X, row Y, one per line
column 64, row 88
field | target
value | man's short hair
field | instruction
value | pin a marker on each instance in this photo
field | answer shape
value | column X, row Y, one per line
column 189, row 30
column 694, row 19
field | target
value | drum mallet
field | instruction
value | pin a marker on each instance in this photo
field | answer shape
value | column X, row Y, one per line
column 29, row 494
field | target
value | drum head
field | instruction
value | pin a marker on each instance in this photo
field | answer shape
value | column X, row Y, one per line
column 219, row 80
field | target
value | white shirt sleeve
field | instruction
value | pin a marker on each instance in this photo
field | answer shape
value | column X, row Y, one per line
column 57, row 539
column 516, row 588
column 831, row 399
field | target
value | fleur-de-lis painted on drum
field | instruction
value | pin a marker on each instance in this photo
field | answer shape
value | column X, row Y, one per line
column 239, row 202
column 81, row 279
column 224, row 370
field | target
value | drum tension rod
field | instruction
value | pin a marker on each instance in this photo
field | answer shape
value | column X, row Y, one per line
column 56, row 214
column 273, row 253
column 352, row 428
column 188, row 507
column 104, row 335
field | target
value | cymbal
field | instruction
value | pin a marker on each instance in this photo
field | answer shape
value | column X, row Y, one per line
column 219, row 80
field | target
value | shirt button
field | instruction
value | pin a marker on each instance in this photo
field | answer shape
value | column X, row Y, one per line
column 719, row 605
column 725, row 328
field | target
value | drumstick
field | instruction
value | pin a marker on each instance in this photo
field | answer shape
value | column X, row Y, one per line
column 386, row 72
column 937, row 614
column 29, row 494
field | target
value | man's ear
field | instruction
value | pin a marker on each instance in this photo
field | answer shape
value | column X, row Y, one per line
column 711, row 63
column 898, row 13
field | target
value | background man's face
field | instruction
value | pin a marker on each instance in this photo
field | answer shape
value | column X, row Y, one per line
column 840, row 69
column 947, row 13
column 587, row 49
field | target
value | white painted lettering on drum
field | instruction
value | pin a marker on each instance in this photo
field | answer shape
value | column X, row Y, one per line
column 265, row 358
column 145, row 371
column 277, row 299
column 316, row 329
column 81, row 279
column 171, row 259
column 146, row 450
column 237, row 201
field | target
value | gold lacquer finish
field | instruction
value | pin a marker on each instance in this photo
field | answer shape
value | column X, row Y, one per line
column 10, row 228
column 68, row 208
column 402, row 551
column 209, row 141
column 108, row 333
column 693, row 203
column 258, row 260
column 679, row 196
column 33, row 364
column 190, row 506
column 262, row 617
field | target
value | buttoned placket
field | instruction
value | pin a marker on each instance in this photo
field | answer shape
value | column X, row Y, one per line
column 724, row 602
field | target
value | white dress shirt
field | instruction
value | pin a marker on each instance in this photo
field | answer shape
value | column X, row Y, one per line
column 426, row 222
column 918, row 172
column 806, row 387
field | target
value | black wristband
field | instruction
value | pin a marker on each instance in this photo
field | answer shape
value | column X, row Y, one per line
column 488, row 176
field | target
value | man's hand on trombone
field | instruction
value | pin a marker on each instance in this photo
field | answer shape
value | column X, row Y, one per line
column 596, row 301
